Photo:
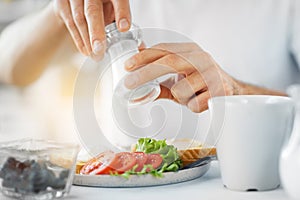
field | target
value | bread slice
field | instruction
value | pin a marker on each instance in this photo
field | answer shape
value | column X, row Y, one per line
column 83, row 157
column 195, row 153
column 191, row 155
column 79, row 166
column 191, row 150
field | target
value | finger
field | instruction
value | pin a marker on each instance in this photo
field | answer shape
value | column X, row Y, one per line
column 77, row 9
column 170, row 63
column 165, row 93
column 156, row 52
column 122, row 14
column 93, row 10
column 187, row 88
column 146, row 74
column 109, row 14
column 177, row 47
column 199, row 103
column 65, row 12
column 168, row 83
column 146, row 56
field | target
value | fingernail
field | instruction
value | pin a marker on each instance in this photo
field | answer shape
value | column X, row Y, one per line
column 131, row 81
column 130, row 63
column 123, row 24
column 97, row 47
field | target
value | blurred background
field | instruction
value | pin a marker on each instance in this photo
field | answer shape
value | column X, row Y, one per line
column 10, row 10
column 43, row 109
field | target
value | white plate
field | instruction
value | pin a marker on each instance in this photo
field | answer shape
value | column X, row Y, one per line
column 142, row 180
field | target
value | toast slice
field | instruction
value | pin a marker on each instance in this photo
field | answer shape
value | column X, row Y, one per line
column 192, row 150
column 79, row 165
column 191, row 155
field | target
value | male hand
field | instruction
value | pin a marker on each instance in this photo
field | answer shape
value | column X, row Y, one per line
column 86, row 20
column 200, row 76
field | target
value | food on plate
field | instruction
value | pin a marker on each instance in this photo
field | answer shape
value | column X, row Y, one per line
column 147, row 156
column 191, row 150
column 141, row 159
column 151, row 156
column 79, row 166
column 82, row 158
column 122, row 163
column 191, row 155
column 154, row 160
column 99, row 164
column 169, row 154
column 195, row 153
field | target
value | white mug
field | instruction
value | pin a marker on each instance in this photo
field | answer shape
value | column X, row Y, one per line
column 249, row 132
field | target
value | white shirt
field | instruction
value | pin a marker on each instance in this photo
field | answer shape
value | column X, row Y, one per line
column 254, row 41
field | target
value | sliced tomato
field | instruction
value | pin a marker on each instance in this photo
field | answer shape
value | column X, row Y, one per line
column 99, row 164
column 155, row 160
column 122, row 162
column 141, row 159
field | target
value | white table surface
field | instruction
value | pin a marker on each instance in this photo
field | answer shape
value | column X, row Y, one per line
column 208, row 187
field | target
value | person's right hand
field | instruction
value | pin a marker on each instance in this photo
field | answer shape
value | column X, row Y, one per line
column 86, row 20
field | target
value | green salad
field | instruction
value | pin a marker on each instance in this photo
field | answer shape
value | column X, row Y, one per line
column 171, row 159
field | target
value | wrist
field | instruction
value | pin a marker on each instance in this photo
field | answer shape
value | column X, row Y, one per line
column 248, row 89
column 238, row 87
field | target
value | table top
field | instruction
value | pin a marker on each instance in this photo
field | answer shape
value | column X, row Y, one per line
column 207, row 187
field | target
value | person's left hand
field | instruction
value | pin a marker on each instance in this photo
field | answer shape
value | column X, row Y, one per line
column 201, row 77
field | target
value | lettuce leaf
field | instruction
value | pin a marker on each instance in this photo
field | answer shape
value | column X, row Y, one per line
column 171, row 159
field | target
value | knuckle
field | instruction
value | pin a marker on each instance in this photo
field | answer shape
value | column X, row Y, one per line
column 91, row 9
column 171, row 59
column 139, row 58
column 195, row 79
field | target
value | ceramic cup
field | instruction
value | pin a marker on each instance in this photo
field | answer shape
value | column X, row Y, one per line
column 249, row 133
